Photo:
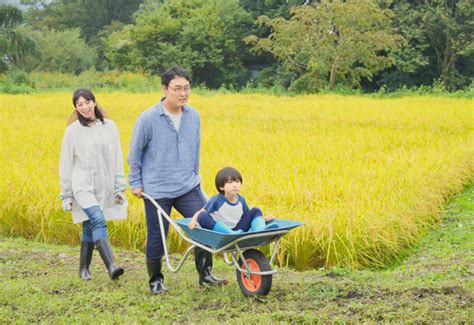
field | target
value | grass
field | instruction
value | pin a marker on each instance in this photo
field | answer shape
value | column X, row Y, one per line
column 433, row 284
column 368, row 176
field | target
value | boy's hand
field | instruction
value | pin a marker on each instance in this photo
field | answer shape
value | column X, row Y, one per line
column 192, row 224
column 269, row 218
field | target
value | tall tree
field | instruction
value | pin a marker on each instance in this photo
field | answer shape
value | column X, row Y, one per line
column 90, row 16
column 96, row 19
column 14, row 45
column 439, row 43
column 449, row 28
column 271, row 9
column 332, row 40
column 411, row 66
column 62, row 51
column 204, row 36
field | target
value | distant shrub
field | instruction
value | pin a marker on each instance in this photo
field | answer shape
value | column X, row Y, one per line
column 16, row 89
column 17, row 82
column 103, row 80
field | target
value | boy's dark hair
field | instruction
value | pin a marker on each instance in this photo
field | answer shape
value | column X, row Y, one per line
column 172, row 73
column 87, row 95
column 227, row 174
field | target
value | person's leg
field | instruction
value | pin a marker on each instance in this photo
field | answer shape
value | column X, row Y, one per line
column 98, row 227
column 154, row 244
column 101, row 240
column 259, row 223
column 246, row 220
column 207, row 222
column 87, row 232
column 87, row 249
column 254, row 221
column 187, row 205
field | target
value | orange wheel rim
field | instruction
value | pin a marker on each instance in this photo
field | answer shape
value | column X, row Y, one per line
column 253, row 282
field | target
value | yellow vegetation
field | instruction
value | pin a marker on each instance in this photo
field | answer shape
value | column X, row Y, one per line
column 368, row 176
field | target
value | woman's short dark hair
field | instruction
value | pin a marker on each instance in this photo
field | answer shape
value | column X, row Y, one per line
column 172, row 73
column 225, row 175
column 87, row 95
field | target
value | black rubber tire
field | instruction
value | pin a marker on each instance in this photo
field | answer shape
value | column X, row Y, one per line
column 257, row 285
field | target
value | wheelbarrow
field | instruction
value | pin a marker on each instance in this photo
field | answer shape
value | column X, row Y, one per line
column 253, row 269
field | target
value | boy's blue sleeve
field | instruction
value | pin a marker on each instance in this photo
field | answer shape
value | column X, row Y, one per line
column 211, row 205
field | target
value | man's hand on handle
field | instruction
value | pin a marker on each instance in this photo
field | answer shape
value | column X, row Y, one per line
column 137, row 191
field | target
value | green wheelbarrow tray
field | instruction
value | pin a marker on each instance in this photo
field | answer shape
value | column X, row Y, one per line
column 218, row 240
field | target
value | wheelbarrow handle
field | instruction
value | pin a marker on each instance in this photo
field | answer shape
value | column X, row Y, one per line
column 162, row 214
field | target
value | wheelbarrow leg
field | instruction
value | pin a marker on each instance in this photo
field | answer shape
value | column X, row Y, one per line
column 203, row 260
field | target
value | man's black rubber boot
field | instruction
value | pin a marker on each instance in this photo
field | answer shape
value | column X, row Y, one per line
column 203, row 260
column 156, row 277
column 105, row 251
column 85, row 258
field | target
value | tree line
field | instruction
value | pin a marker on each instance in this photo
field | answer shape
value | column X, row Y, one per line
column 305, row 46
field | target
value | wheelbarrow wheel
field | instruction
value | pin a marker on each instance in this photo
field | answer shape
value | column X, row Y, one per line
column 254, row 284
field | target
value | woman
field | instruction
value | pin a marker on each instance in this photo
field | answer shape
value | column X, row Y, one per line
column 92, row 179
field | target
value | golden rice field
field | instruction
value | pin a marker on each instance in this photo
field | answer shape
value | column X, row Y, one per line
column 368, row 176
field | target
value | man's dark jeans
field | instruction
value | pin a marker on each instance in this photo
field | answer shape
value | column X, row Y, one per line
column 186, row 205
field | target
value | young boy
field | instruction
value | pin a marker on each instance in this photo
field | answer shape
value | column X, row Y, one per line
column 227, row 212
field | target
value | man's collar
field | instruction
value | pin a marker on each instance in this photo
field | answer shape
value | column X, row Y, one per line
column 161, row 108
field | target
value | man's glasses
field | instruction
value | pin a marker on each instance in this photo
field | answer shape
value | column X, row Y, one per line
column 179, row 89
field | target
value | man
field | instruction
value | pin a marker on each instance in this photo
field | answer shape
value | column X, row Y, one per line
column 164, row 162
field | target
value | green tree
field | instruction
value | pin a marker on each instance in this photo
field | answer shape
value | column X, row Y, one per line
column 90, row 16
column 438, row 43
column 14, row 45
column 203, row 36
column 271, row 9
column 449, row 29
column 62, row 51
column 411, row 66
column 120, row 50
column 65, row 51
column 330, row 41
column 96, row 19
column 100, row 42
